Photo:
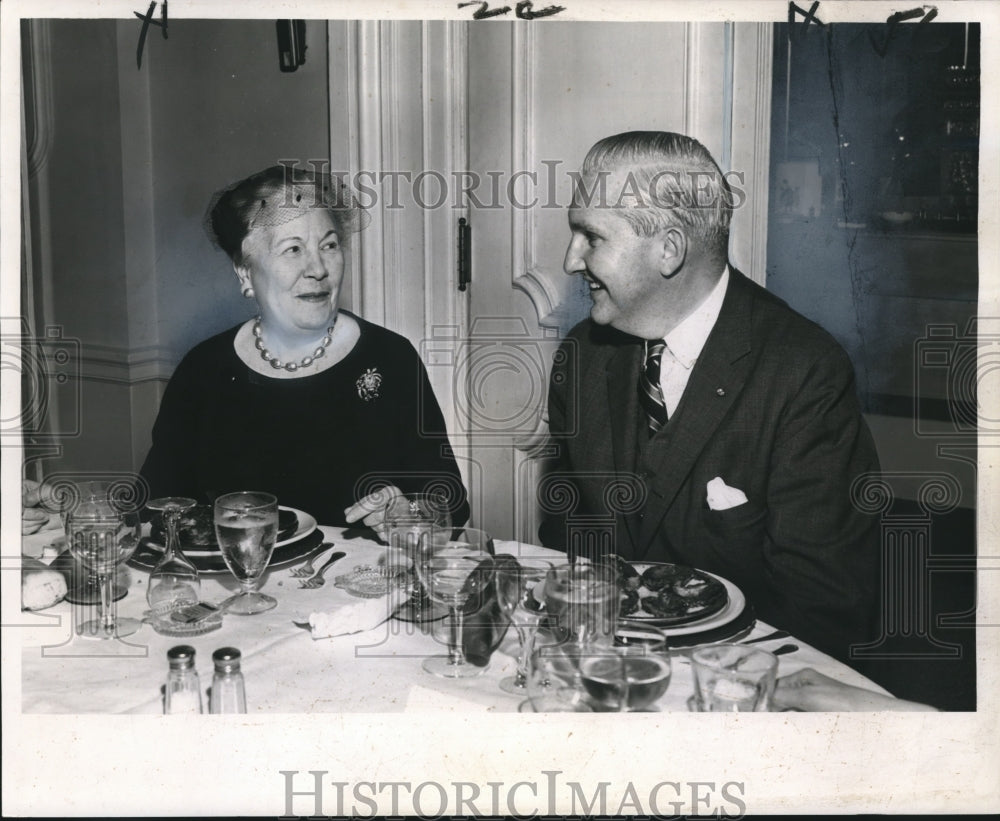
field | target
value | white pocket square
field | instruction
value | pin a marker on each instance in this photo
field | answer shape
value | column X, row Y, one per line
column 723, row 497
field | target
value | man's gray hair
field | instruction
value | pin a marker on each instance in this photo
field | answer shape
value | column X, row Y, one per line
column 672, row 182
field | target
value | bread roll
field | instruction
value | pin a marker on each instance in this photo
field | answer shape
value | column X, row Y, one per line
column 41, row 586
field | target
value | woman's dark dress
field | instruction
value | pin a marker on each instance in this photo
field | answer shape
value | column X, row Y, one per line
column 319, row 443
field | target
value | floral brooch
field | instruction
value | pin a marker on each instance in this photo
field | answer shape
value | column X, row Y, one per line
column 368, row 384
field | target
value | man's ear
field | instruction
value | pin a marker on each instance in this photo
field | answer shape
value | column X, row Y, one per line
column 673, row 248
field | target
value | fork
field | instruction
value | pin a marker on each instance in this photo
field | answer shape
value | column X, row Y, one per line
column 317, row 579
column 308, row 568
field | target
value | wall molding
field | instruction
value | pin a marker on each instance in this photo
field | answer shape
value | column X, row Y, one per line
column 124, row 366
column 39, row 90
column 539, row 285
column 751, row 142
column 692, row 56
column 527, row 276
column 365, row 108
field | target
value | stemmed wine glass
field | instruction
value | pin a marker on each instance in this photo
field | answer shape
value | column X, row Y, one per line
column 516, row 586
column 554, row 681
column 453, row 572
column 102, row 535
column 409, row 518
column 84, row 587
column 174, row 581
column 246, row 525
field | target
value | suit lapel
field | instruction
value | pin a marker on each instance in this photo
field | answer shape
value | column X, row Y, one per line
column 716, row 380
column 623, row 403
column 623, row 412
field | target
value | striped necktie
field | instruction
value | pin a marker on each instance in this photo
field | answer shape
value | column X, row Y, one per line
column 650, row 395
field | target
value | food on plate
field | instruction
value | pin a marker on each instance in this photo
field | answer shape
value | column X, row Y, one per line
column 41, row 586
column 196, row 527
column 630, row 603
column 659, row 576
column 628, row 576
column 667, row 591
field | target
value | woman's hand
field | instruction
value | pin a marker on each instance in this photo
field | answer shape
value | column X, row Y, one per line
column 810, row 691
column 371, row 509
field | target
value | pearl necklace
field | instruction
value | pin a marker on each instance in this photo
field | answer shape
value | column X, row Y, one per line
column 276, row 363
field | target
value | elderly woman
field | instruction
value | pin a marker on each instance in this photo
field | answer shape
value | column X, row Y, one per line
column 305, row 400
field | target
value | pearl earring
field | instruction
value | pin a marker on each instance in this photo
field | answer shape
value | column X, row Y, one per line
column 248, row 292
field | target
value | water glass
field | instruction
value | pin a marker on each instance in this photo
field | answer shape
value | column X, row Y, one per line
column 733, row 678
column 632, row 674
column 246, row 525
column 581, row 601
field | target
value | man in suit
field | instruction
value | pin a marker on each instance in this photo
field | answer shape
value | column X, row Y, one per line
column 731, row 419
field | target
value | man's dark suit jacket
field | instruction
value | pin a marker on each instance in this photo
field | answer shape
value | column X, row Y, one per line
column 771, row 409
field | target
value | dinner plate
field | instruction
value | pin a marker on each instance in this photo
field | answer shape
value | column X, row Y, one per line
column 306, row 539
column 735, row 616
column 306, row 525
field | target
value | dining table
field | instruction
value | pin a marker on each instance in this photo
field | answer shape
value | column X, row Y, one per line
column 288, row 671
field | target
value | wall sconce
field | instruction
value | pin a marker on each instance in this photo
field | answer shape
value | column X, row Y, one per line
column 291, row 44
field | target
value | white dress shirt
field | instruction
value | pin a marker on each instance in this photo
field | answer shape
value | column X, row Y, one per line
column 685, row 343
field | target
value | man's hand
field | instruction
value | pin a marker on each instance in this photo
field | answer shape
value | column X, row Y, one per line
column 33, row 517
column 371, row 509
column 809, row 691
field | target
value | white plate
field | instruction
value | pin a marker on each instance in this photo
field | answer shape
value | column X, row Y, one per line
column 307, row 524
column 734, row 607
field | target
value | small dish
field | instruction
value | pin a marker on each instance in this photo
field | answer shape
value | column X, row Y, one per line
column 162, row 622
column 368, row 582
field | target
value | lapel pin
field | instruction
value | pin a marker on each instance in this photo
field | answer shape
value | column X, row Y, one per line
column 720, row 391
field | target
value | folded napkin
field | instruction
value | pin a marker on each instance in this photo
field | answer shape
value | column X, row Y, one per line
column 485, row 622
column 356, row 617
column 723, row 497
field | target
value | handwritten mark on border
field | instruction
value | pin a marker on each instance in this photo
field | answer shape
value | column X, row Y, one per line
column 147, row 19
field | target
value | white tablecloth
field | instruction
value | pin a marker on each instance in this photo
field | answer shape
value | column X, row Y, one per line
column 286, row 671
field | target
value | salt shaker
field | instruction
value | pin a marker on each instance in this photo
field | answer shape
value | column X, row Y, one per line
column 183, row 691
column 228, row 694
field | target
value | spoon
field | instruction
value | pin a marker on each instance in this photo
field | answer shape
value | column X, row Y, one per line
column 777, row 634
column 195, row 613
